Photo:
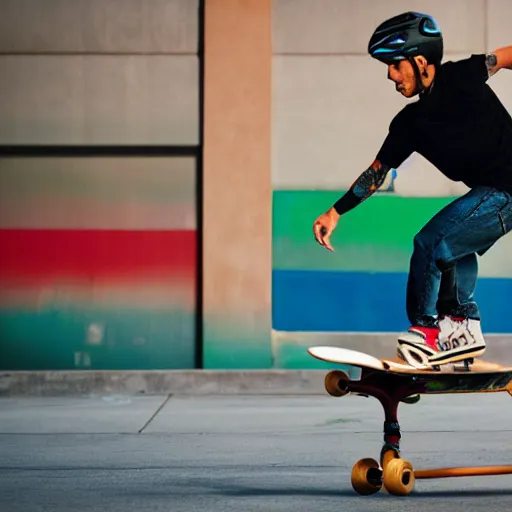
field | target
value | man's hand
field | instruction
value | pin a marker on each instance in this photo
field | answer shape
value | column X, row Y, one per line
column 324, row 226
column 361, row 189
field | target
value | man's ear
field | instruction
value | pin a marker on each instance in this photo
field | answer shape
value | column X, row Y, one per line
column 422, row 65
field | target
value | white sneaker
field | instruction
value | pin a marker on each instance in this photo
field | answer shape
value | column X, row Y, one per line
column 418, row 345
column 459, row 339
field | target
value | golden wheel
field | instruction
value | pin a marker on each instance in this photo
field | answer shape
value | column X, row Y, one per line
column 335, row 383
column 366, row 477
column 388, row 455
column 398, row 477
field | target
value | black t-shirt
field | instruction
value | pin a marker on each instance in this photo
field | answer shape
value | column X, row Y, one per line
column 461, row 127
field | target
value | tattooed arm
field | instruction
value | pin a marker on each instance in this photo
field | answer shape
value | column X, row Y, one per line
column 397, row 146
column 363, row 187
column 499, row 59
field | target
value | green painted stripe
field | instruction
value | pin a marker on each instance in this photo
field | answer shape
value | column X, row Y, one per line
column 97, row 339
column 375, row 236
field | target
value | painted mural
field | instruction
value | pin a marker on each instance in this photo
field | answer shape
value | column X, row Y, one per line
column 361, row 286
column 98, row 263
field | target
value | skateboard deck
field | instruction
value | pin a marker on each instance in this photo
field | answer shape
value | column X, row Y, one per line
column 483, row 376
column 392, row 382
column 361, row 359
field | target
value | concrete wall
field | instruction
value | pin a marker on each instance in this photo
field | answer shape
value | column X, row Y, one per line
column 99, row 256
column 100, row 270
column 90, row 72
column 332, row 105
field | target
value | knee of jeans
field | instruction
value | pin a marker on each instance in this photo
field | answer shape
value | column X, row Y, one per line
column 443, row 256
column 439, row 253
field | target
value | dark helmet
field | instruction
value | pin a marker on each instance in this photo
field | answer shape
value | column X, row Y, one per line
column 405, row 36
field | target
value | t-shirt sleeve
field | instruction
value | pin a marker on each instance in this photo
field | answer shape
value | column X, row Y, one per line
column 397, row 145
column 472, row 70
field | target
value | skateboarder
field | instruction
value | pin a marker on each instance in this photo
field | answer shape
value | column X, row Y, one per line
column 461, row 127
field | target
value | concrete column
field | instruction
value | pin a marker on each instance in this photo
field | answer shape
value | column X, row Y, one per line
column 237, row 184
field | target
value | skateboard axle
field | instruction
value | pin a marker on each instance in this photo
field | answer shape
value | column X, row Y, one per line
column 454, row 472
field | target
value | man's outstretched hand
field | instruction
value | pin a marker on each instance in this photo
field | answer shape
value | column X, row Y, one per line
column 324, row 227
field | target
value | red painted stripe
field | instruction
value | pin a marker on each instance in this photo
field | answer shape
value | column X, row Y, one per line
column 104, row 254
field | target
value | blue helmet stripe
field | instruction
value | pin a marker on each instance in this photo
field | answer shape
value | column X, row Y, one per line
column 431, row 30
column 385, row 50
column 380, row 41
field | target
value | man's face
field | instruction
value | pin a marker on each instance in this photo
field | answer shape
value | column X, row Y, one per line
column 402, row 74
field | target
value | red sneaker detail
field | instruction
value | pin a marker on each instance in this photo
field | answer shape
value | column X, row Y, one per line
column 429, row 334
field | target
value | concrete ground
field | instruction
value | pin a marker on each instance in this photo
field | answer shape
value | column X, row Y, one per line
column 233, row 453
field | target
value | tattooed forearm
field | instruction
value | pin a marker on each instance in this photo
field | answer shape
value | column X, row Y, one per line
column 363, row 187
column 370, row 180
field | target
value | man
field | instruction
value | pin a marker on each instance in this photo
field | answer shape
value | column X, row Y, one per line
column 461, row 127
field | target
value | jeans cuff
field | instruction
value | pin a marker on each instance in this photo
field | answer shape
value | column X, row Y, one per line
column 426, row 321
column 468, row 310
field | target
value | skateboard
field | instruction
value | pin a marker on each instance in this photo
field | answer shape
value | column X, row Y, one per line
column 392, row 382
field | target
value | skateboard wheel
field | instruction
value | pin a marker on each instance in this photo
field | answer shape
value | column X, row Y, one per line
column 398, row 477
column 335, row 383
column 366, row 477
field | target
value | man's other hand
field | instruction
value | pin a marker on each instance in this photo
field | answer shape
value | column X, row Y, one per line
column 324, row 227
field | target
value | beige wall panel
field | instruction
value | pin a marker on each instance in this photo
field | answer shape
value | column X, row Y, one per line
column 345, row 26
column 330, row 117
column 499, row 19
column 99, row 100
column 237, row 232
column 501, row 84
column 99, row 26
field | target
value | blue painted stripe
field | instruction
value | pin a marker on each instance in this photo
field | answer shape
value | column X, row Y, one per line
column 367, row 302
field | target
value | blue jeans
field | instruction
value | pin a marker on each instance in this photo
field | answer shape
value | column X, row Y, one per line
column 443, row 267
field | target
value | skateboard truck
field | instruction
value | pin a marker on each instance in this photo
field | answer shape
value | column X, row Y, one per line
column 466, row 365
column 391, row 471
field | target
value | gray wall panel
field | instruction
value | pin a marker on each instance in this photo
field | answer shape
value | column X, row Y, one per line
column 99, row 100
column 98, row 26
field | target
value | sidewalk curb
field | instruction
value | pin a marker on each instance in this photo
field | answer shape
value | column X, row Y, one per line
column 176, row 382
column 214, row 382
